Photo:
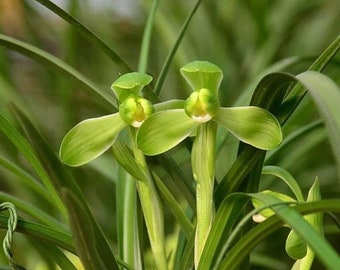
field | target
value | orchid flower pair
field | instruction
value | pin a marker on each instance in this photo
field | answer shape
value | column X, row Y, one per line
column 163, row 126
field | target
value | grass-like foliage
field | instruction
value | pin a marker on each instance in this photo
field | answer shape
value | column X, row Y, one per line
column 169, row 135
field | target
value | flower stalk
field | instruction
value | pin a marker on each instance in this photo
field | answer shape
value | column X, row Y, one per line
column 152, row 209
column 203, row 167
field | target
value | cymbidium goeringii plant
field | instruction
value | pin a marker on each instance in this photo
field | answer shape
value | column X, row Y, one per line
column 199, row 115
column 92, row 137
column 165, row 129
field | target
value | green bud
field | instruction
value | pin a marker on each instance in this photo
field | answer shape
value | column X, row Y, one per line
column 130, row 83
column 202, row 105
column 135, row 109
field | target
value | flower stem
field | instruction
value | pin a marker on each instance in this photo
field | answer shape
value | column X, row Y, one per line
column 127, row 223
column 152, row 211
column 203, row 167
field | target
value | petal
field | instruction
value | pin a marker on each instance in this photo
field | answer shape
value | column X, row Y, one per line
column 252, row 125
column 295, row 246
column 164, row 130
column 90, row 138
column 202, row 74
column 130, row 83
column 169, row 105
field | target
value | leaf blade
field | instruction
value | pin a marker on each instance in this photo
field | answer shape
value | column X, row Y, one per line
column 326, row 95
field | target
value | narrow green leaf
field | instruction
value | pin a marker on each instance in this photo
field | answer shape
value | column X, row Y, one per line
column 287, row 178
column 202, row 74
column 284, row 64
column 180, row 180
column 252, row 125
column 81, row 28
column 239, row 227
column 84, row 239
column 88, row 34
column 33, row 211
column 169, row 58
column 62, row 179
column 226, row 216
column 56, row 64
column 90, row 138
column 245, row 162
column 294, row 98
column 164, row 130
column 124, row 156
column 53, row 254
column 28, row 152
column 37, row 231
column 26, row 179
column 326, row 95
column 187, row 260
column 174, row 207
column 298, row 134
column 145, row 47
column 153, row 216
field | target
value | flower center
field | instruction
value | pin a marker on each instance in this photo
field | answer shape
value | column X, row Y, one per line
column 202, row 105
column 134, row 110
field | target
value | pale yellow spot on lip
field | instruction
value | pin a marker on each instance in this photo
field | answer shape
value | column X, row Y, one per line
column 202, row 118
column 137, row 124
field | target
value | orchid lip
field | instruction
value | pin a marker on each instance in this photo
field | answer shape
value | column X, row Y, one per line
column 137, row 124
column 202, row 119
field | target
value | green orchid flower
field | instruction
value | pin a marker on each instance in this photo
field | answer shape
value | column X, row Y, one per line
column 296, row 247
column 165, row 129
column 92, row 137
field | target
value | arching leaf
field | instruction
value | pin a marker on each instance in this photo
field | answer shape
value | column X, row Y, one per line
column 326, row 95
